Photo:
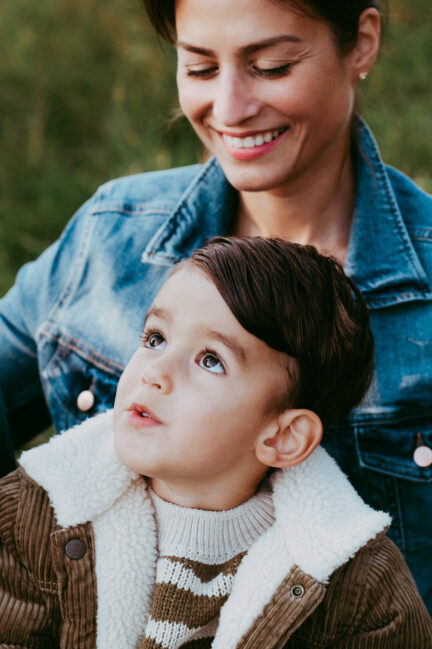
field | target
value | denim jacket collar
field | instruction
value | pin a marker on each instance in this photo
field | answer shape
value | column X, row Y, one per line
column 381, row 257
column 205, row 210
column 206, row 207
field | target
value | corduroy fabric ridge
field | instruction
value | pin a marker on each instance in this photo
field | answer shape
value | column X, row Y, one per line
column 48, row 600
column 54, row 597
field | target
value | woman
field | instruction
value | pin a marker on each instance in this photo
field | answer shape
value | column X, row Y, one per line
column 269, row 86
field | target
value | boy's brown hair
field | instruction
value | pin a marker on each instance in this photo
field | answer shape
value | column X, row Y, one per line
column 301, row 303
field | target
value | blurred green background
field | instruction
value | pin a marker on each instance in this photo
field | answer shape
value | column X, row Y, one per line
column 87, row 93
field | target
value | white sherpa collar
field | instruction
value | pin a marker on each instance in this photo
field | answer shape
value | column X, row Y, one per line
column 321, row 523
column 80, row 471
column 86, row 482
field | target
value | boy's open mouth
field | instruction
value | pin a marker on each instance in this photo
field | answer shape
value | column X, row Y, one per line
column 141, row 413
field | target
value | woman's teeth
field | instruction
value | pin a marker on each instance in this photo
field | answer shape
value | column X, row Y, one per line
column 252, row 141
column 144, row 414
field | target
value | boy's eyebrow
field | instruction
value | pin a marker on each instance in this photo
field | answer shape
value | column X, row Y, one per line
column 247, row 49
column 158, row 312
column 229, row 342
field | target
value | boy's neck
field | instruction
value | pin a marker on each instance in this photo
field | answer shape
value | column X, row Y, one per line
column 206, row 497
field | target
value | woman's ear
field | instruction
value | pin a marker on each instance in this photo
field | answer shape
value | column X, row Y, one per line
column 291, row 441
column 368, row 41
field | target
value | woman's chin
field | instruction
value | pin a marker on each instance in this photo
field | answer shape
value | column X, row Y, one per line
column 256, row 181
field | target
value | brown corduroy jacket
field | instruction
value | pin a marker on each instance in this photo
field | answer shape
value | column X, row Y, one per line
column 78, row 553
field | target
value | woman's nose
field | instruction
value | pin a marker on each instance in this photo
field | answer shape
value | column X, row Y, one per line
column 234, row 101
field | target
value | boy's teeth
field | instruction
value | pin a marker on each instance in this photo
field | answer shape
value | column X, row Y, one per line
column 144, row 414
column 252, row 141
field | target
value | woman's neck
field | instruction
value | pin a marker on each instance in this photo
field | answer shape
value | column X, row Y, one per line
column 315, row 210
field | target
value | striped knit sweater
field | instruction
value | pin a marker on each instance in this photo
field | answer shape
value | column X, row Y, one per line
column 199, row 553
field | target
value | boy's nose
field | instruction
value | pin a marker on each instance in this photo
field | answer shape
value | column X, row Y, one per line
column 160, row 382
column 157, row 378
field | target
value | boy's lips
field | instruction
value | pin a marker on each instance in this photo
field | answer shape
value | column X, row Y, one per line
column 142, row 417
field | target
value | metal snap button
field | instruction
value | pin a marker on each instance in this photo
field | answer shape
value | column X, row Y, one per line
column 75, row 549
column 423, row 456
column 85, row 400
column 297, row 591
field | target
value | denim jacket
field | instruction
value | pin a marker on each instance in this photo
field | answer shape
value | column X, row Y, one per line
column 74, row 318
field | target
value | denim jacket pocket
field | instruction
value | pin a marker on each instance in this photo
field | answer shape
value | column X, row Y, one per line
column 388, row 447
column 71, row 369
column 391, row 480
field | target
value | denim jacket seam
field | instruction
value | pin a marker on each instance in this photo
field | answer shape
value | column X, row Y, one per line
column 421, row 234
column 73, row 279
column 156, row 255
column 84, row 351
column 365, row 420
column 394, row 209
column 72, row 282
column 396, row 299
column 120, row 208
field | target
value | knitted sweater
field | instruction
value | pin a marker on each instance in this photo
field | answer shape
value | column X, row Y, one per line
column 199, row 552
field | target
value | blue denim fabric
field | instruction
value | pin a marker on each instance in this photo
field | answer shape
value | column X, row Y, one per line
column 74, row 318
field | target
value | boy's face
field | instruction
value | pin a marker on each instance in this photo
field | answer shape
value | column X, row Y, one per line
column 197, row 393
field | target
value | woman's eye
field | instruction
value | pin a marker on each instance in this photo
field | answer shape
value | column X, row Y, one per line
column 277, row 71
column 153, row 340
column 201, row 73
column 210, row 362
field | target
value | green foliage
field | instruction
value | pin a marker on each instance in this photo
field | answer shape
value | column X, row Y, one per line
column 396, row 99
column 87, row 92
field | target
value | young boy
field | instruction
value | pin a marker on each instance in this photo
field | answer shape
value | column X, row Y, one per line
column 202, row 512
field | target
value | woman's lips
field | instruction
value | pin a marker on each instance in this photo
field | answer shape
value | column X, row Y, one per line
column 141, row 417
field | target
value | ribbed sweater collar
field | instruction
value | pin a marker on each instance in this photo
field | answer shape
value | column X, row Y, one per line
column 211, row 536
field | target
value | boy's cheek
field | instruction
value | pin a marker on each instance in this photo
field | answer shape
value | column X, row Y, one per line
column 119, row 402
column 125, row 387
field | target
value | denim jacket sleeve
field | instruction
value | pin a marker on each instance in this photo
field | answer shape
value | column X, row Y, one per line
column 39, row 286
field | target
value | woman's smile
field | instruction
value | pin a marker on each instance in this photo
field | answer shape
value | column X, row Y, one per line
column 252, row 144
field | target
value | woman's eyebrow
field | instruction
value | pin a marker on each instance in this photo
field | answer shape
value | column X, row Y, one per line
column 247, row 49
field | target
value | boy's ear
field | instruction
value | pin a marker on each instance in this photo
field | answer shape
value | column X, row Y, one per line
column 293, row 438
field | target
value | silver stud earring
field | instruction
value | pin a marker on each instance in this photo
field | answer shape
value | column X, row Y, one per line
column 362, row 76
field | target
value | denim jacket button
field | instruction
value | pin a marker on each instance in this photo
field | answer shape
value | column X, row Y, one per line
column 85, row 400
column 423, row 456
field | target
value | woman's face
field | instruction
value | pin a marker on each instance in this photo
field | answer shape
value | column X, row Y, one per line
column 265, row 89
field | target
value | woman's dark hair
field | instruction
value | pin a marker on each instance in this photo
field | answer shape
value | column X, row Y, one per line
column 342, row 17
column 301, row 303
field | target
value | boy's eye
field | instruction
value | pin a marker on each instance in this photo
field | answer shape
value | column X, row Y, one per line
column 153, row 340
column 211, row 362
